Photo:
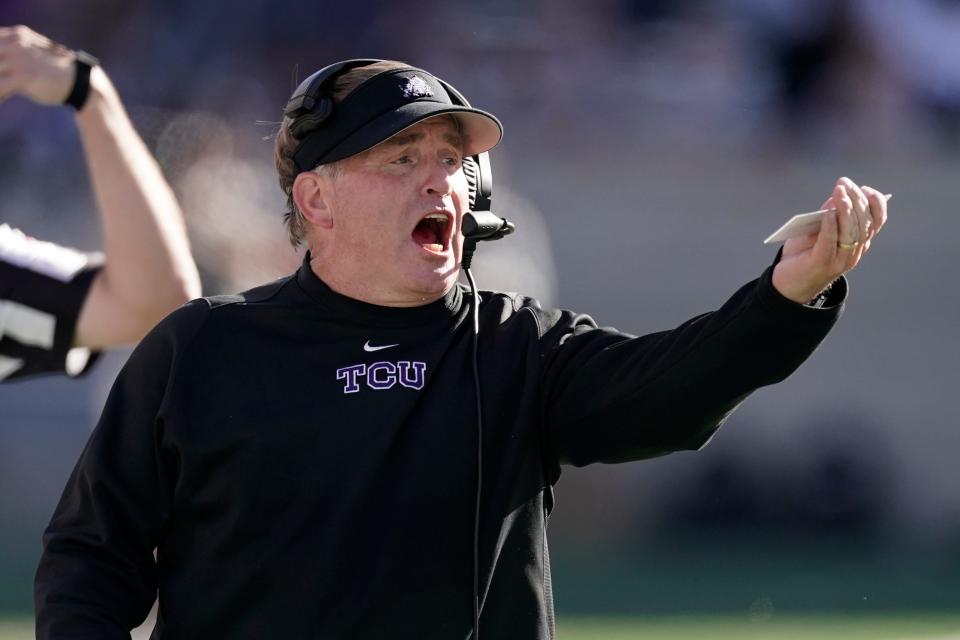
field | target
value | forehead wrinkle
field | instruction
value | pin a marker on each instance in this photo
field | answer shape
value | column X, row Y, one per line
column 404, row 139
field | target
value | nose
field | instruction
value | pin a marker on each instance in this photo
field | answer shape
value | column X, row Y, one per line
column 439, row 179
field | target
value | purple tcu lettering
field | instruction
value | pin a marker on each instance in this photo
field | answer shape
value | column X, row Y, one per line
column 414, row 381
column 383, row 375
column 351, row 373
column 376, row 381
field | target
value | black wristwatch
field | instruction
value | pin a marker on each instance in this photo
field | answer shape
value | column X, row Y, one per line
column 82, row 63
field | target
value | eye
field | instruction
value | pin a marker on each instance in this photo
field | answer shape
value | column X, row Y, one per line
column 452, row 160
column 404, row 159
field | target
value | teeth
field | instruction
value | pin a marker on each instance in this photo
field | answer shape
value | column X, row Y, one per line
column 436, row 216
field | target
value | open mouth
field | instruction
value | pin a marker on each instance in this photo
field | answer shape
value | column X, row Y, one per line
column 433, row 232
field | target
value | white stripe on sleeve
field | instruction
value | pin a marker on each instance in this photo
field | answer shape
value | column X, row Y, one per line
column 9, row 366
column 27, row 325
column 45, row 258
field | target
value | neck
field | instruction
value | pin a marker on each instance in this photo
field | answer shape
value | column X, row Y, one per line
column 361, row 289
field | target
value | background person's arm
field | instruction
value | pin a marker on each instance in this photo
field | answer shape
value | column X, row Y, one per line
column 149, row 270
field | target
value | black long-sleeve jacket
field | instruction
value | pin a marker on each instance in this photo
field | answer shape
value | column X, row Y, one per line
column 305, row 463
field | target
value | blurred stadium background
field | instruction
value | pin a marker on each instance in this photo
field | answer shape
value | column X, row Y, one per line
column 650, row 147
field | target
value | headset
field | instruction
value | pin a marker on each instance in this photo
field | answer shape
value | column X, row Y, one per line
column 310, row 106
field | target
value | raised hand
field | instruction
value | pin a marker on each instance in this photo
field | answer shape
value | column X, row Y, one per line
column 809, row 264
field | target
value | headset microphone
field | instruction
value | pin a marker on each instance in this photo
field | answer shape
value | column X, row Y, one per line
column 483, row 225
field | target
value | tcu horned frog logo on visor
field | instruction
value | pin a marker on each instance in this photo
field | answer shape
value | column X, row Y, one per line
column 417, row 87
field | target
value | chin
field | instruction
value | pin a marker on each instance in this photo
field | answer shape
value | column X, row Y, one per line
column 434, row 284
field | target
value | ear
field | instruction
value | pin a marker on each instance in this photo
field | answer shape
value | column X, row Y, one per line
column 312, row 193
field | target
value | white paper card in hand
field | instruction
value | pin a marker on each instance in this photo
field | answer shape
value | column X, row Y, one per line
column 801, row 224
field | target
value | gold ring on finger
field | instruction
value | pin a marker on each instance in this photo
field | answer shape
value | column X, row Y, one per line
column 847, row 246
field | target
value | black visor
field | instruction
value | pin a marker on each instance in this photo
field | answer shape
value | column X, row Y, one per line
column 384, row 105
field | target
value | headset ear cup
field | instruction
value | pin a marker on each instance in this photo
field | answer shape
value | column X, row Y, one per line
column 470, row 171
column 306, row 123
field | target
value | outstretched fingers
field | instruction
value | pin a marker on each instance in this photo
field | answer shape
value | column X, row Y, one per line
column 878, row 213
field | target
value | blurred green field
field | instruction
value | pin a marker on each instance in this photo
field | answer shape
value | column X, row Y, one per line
column 813, row 627
column 910, row 626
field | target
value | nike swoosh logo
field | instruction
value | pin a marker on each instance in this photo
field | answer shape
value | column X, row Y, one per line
column 369, row 347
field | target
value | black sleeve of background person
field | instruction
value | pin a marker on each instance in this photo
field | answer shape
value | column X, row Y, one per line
column 63, row 300
column 611, row 397
column 97, row 574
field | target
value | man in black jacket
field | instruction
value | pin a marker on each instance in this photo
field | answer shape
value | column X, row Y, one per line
column 303, row 456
